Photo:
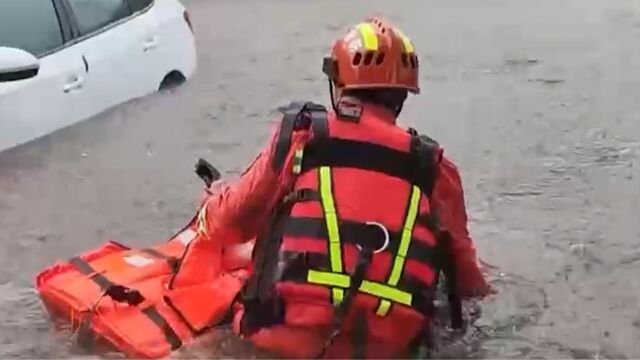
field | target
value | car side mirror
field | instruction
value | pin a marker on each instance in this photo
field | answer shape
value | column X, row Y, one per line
column 17, row 64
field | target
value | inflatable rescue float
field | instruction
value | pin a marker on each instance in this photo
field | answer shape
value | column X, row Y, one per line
column 124, row 296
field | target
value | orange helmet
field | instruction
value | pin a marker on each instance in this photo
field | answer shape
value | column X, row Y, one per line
column 373, row 54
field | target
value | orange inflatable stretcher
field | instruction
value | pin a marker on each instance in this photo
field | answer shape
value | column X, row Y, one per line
column 125, row 297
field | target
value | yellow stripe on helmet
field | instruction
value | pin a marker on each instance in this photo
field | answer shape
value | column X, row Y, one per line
column 408, row 45
column 369, row 37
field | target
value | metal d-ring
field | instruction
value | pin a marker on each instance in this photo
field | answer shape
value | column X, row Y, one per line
column 386, row 237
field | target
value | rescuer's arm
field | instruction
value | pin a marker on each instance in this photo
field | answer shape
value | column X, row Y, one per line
column 237, row 211
column 448, row 200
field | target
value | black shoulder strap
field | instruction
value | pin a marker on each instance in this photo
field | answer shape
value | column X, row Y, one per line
column 426, row 155
column 292, row 121
column 446, row 259
column 319, row 122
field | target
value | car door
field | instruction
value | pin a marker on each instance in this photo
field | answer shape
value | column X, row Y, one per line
column 165, row 25
column 114, row 42
column 34, row 107
column 149, row 47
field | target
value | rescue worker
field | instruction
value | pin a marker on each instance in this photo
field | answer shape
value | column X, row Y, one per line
column 353, row 217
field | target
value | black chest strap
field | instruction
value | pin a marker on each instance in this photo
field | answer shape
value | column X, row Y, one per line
column 419, row 166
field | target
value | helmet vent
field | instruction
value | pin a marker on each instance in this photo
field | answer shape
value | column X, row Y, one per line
column 368, row 58
column 357, row 58
column 405, row 60
column 413, row 61
column 380, row 58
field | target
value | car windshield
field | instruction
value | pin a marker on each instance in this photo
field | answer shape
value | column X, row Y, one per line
column 30, row 25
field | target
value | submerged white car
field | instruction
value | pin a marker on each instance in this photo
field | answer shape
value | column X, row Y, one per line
column 63, row 61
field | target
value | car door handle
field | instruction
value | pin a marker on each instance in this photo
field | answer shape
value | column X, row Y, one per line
column 76, row 83
column 150, row 44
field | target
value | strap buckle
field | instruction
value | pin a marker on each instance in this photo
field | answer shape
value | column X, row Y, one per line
column 124, row 294
column 301, row 195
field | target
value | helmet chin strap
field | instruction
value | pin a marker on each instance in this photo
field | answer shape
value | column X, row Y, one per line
column 399, row 110
column 333, row 98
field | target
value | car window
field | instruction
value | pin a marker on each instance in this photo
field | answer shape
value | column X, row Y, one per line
column 30, row 25
column 137, row 5
column 92, row 15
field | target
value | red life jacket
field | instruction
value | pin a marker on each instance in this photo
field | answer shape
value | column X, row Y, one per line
column 362, row 184
column 147, row 302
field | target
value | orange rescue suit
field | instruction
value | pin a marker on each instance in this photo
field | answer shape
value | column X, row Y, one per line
column 324, row 189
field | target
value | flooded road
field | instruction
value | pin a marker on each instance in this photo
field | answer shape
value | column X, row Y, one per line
column 536, row 101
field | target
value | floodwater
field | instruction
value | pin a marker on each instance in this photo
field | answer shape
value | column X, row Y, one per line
column 536, row 101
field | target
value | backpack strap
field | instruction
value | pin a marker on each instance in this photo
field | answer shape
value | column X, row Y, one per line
column 298, row 116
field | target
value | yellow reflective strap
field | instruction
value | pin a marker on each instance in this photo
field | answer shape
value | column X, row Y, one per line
column 328, row 278
column 408, row 45
column 386, row 292
column 403, row 248
column 383, row 308
column 331, row 218
column 369, row 37
column 297, row 161
column 336, row 257
column 405, row 240
column 338, row 295
column 339, row 282
column 335, row 248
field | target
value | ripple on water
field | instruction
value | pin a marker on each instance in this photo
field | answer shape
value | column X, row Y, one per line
column 25, row 329
column 513, row 323
column 508, row 325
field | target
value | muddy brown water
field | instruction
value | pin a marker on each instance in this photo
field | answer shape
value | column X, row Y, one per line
column 536, row 101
